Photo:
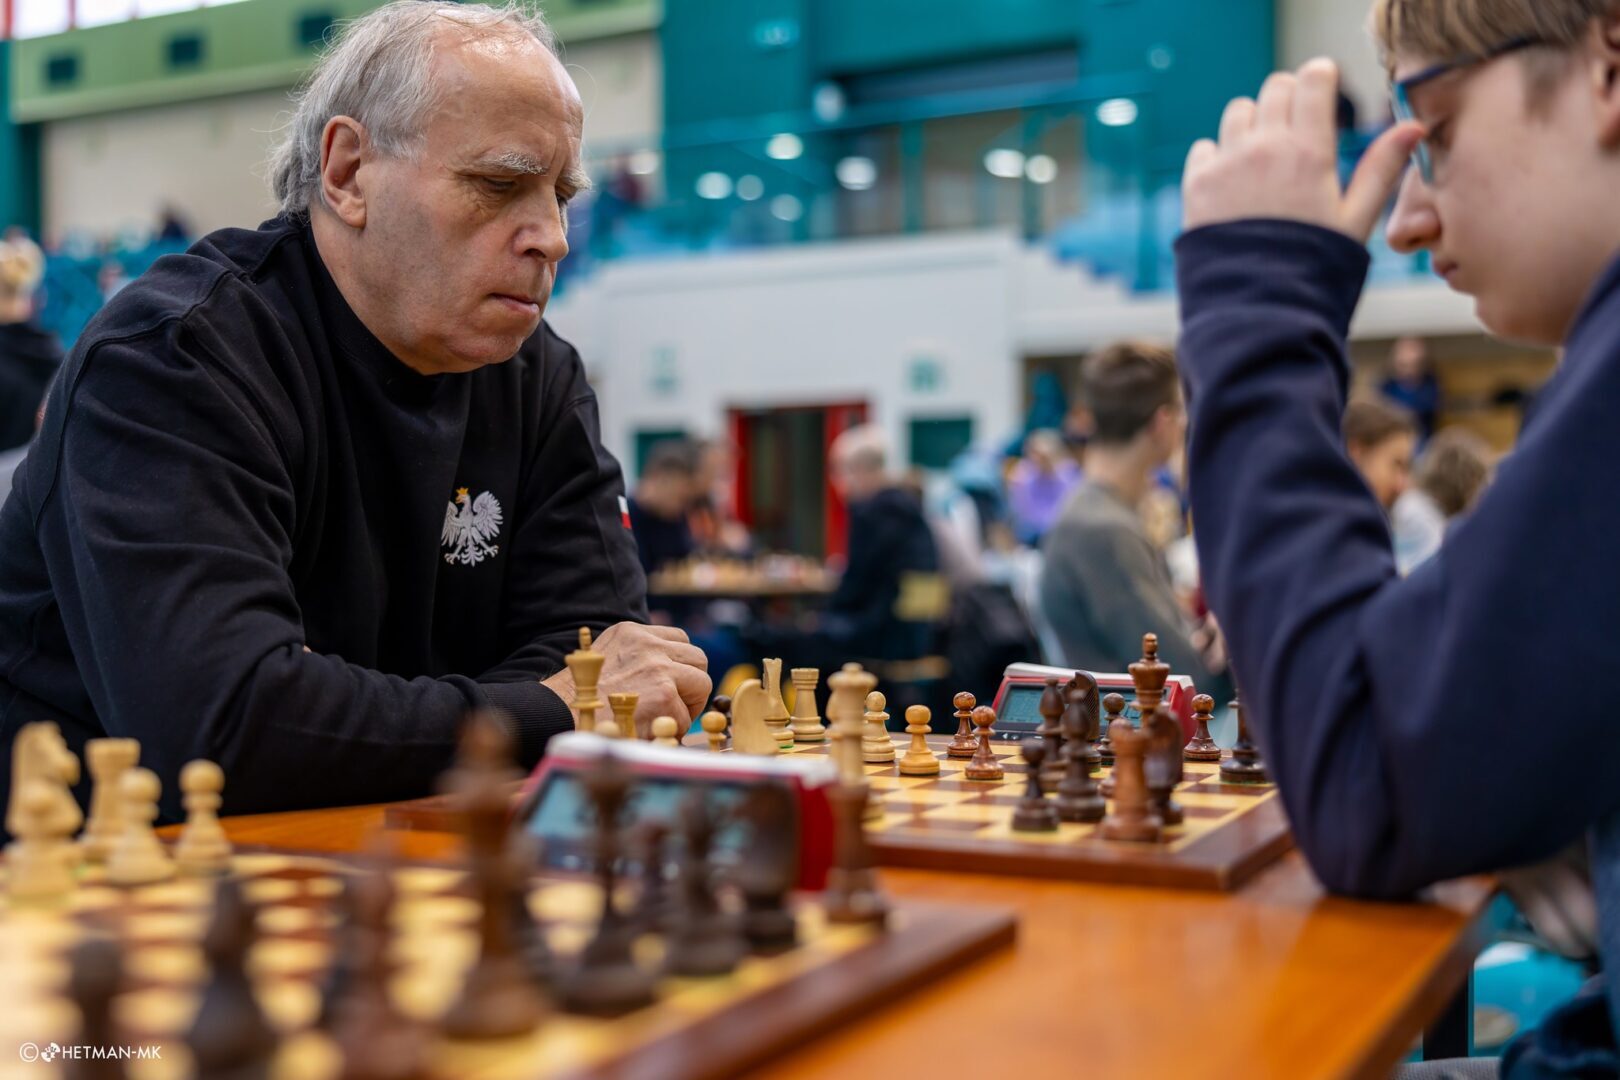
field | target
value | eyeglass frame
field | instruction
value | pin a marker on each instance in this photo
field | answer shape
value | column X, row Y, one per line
column 1401, row 90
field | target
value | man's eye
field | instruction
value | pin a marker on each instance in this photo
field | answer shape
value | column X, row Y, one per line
column 497, row 185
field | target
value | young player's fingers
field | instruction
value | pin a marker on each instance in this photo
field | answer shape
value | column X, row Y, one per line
column 1316, row 99
column 1377, row 177
column 1276, row 105
column 1202, row 153
column 1236, row 121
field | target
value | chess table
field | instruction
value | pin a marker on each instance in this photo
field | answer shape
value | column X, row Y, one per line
column 1274, row 979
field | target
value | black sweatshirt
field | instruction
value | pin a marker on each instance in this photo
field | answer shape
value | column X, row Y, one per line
column 233, row 468
column 29, row 358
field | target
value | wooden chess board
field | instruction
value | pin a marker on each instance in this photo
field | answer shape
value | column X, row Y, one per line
column 948, row 822
column 697, row 1028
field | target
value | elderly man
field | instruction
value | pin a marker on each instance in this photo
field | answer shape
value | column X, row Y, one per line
column 307, row 493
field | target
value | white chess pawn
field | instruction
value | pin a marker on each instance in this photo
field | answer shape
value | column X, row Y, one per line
column 203, row 847
column 36, row 867
column 664, row 729
column 138, row 857
column 877, row 748
column 109, row 760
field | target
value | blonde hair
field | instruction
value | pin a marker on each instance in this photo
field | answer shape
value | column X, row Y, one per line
column 1451, row 29
column 22, row 265
column 1453, row 469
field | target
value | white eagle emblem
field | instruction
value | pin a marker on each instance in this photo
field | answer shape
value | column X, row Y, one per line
column 470, row 527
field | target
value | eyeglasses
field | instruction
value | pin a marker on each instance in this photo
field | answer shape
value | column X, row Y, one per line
column 1401, row 92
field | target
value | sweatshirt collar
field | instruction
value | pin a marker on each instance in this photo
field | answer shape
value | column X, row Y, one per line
column 1608, row 283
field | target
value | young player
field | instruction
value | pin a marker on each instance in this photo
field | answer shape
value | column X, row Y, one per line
column 1423, row 728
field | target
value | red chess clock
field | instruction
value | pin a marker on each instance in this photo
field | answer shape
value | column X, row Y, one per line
column 553, row 806
column 1018, row 699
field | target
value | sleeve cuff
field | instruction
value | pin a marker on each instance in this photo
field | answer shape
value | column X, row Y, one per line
column 537, row 714
column 1265, row 262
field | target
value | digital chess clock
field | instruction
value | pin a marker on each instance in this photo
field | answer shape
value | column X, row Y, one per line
column 1018, row 699
column 553, row 805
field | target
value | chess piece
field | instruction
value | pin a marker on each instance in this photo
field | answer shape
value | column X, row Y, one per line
column 1034, row 813
column 95, row 971
column 40, row 756
column 36, row 867
column 623, row 707
column 1081, row 694
column 806, row 726
column 1201, row 747
column 230, row 1036
column 1132, row 817
column 203, row 848
column 1078, row 798
column 139, row 857
column 714, row 730
column 776, row 710
column 534, row 951
column 704, row 940
column 498, row 999
column 1149, row 674
column 1162, row 767
column 852, row 894
column 655, row 910
column 375, row 1040
column 919, row 760
column 877, row 748
column 963, row 744
column 1050, row 731
column 845, row 709
column 749, row 735
column 607, row 980
column 984, row 765
column 722, row 705
column 1114, row 706
column 664, row 732
column 768, row 868
column 1245, row 765
column 585, row 665
column 109, row 760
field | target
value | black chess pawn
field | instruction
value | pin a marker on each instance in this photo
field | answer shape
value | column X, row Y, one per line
column 705, row 939
column 533, row 949
column 722, row 705
column 1113, row 709
column 1245, row 765
column 377, row 1042
column 655, row 910
column 1034, row 813
column 94, row 976
column 1163, row 765
column 1051, row 707
column 768, row 869
column 1078, row 797
column 1081, row 694
column 1201, row 747
column 963, row 744
column 230, row 1036
column 607, row 981
column 852, row 894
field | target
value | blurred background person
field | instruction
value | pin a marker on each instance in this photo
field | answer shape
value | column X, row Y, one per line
column 1039, row 484
column 1105, row 583
column 659, row 505
column 1450, row 475
column 1381, row 438
column 1412, row 384
column 29, row 356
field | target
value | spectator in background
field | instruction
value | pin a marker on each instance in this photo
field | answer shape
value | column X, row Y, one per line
column 1412, row 383
column 110, row 279
column 1381, row 438
column 658, row 507
column 1040, row 484
column 712, row 517
column 1104, row 583
column 29, row 356
column 171, row 225
column 1451, row 473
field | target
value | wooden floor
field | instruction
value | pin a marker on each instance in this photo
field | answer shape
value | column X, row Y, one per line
column 1274, row 980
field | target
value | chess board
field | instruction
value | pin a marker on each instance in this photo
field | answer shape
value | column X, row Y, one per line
column 697, row 1028
column 948, row 822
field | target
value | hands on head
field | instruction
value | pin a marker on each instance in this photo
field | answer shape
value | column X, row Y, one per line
column 659, row 663
column 1278, row 158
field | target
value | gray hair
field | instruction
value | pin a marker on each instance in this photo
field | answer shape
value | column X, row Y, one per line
column 379, row 71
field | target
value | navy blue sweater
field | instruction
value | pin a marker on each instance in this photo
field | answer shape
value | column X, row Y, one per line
column 233, row 468
column 1420, row 729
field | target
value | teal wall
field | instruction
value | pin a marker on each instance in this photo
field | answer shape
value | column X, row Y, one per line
column 19, row 157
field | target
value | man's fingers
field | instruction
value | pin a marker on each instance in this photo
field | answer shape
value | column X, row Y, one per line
column 1377, row 177
column 693, row 686
column 1276, row 105
column 1316, row 99
column 669, row 633
column 690, row 655
column 1236, row 121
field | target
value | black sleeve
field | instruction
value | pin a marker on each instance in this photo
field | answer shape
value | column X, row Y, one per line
column 574, row 560
column 168, row 533
column 1420, row 729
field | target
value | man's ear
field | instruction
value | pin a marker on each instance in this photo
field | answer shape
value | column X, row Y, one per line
column 1605, row 60
column 343, row 148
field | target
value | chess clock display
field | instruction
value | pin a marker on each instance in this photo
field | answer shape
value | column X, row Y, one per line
column 554, row 807
column 1017, row 701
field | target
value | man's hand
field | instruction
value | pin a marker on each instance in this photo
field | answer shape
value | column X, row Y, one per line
column 1278, row 158
column 657, row 662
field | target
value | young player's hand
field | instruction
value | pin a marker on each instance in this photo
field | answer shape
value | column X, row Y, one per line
column 1278, row 158
column 657, row 662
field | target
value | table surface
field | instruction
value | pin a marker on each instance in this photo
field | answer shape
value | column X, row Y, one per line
column 1276, row 980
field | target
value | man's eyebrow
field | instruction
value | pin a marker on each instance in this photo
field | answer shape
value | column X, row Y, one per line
column 512, row 161
column 576, row 178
